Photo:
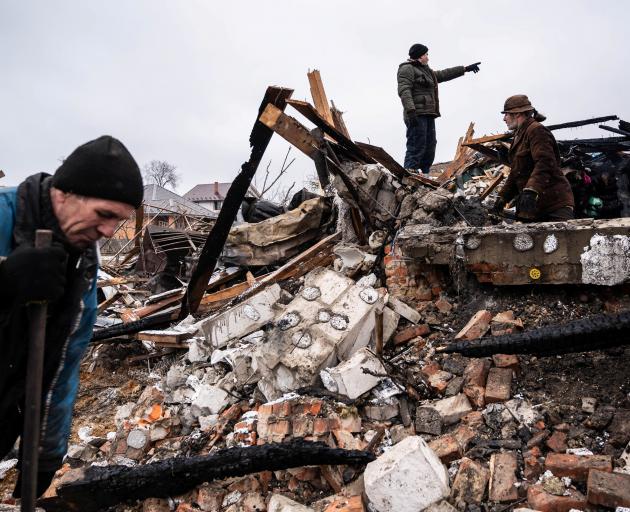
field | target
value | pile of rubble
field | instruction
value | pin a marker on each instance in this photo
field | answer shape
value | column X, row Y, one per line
column 326, row 333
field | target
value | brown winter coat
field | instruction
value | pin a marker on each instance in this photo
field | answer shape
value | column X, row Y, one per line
column 418, row 87
column 535, row 162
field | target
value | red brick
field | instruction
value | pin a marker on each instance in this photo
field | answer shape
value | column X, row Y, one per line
column 265, row 410
column 411, row 332
column 557, row 442
column 470, row 483
column 302, row 426
column 532, row 465
column 475, row 376
column 473, row 419
column 503, row 477
column 305, row 474
column 498, row 385
column 185, row 507
column 575, row 466
column 506, row 361
column 539, row 499
column 443, row 306
column 320, row 426
column 282, row 409
column 608, row 489
column 232, row 413
column 464, row 435
column 476, row 327
column 446, row 448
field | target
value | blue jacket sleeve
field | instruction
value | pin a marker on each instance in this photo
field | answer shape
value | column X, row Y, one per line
column 54, row 443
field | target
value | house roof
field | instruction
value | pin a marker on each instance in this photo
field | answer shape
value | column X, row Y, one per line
column 156, row 197
column 214, row 191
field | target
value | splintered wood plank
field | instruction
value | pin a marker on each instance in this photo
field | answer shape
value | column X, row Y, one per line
column 289, row 129
column 340, row 124
column 165, row 338
column 107, row 302
column 488, row 138
column 492, row 186
column 319, row 96
column 461, row 156
column 131, row 315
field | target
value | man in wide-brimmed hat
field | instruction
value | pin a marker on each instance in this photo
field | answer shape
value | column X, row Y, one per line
column 544, row 194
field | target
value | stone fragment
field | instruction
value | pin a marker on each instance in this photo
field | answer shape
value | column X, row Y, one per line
column 279, row 503
column 208, row 400
column 350, row 378
column 403, row 310
column 455, row 386
column 470, row 483
column 503, row 468
column 413, row 331
column 343, row 504
column 476, row 327
column 475, row 376
column 600, row 419
column 407, row 478
column 522, row 411
column 238, row 321
column 428, row 421
column 557, row 442
column 210, row 498
column 440, row 506
column 540, row 500
column 577, row 467
column 498, row 385
column 382, row 410
column 452, row 409
column 589, row 404
column 619, row 428
column 608, row 489
column 137, row 439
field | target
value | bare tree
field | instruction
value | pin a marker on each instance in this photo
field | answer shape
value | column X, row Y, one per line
column 162, row 173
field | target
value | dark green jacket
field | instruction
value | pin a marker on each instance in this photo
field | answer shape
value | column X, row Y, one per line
column 418, row 87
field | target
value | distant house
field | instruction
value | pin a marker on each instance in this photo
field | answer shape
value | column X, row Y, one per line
column 212, row 195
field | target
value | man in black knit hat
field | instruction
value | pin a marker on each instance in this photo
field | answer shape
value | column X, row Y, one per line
column 95, row 188
column 418, row 91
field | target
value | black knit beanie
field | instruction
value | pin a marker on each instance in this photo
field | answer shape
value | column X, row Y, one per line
column 417, row 50
column 101, row 168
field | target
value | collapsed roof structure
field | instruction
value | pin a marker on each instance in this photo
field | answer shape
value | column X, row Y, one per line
column 342, row 321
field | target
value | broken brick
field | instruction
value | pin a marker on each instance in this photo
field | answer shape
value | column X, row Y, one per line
column 210, row 498
column 539, row 499
column 437, row 378
column 446, row 448
column 475, row 376
column 476, row 327
column 608, row 489
column 411, row 332
column 575, row 466
column 557, row 442
column 470, row 483
column 532, row 465
column 498, row 385
column 428, row 421
column 443, row 306
column 503, row 477
column 506, row 361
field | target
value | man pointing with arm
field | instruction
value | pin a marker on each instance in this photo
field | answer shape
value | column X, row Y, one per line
column 418, row 91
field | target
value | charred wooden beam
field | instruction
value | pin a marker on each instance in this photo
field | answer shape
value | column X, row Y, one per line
column 152, row 322
column 102, row 487
column 583, row 335
column 614, row 130
column 486, row 151
column 585, row 122
column 258, row 140
column 600, row 144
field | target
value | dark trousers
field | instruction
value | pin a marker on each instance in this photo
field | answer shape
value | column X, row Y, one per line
column 421, row 143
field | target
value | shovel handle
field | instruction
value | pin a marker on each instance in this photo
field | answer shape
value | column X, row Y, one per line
column 33, row 399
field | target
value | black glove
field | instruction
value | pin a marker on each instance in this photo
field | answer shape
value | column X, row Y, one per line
column 526, row 206
column 43, row 482
column 499, row 205
column 30, row 274
column 473, row 67
column 412, row 118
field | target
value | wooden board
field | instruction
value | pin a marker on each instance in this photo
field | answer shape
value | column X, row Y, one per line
column 165, row 338
column 289, row 129
column 488, row 138
column 319, row 96
column 461, row 157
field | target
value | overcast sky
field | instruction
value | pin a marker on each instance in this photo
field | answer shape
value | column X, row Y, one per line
column 181, row 81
